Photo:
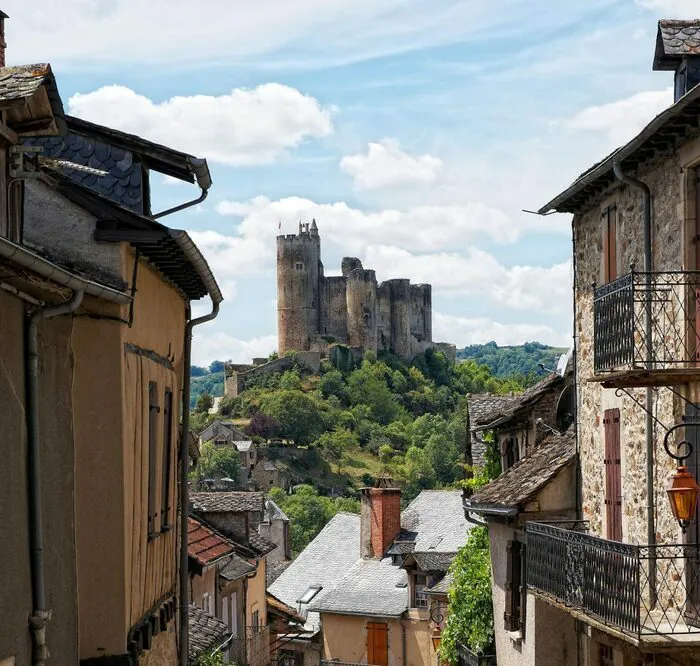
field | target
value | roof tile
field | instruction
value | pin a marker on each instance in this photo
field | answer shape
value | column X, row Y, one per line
column 205, row 545
column 221, row 502
column 206, row 633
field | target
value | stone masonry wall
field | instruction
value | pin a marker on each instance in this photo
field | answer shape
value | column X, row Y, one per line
column 236, row 381
column 663, row 178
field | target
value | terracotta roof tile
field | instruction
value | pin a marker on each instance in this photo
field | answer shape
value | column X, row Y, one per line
column 206, row 545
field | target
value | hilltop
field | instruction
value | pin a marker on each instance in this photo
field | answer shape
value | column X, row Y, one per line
column 513, row 361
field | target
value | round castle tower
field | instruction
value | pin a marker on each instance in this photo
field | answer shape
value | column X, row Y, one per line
column 298, row 276
column 361, row 293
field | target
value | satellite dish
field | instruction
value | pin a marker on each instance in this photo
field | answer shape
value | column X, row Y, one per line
column 563, row 362
column 564, row 415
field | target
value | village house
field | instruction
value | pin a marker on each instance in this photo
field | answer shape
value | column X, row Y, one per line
column 364, row 583
column 107, row 314
column 270, row 474
column 225, row 433
column 626, row 570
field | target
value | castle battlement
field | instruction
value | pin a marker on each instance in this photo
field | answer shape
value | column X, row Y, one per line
column 314, row 311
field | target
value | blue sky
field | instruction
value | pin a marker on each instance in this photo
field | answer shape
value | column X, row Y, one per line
column 414, row 131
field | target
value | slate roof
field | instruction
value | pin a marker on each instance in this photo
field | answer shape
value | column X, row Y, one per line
column 483, row 407
column 269, row 466
column 674, row 40
column 204, row 544
column 437, row 516
column 260, row 543
column 233, row 501
column 275, row 570
column 370, row 587
column 237, row 568
column 325, row 561
column 527, row 477
column 433, row 562
column 206, row 633
column 442, row 586
column 243, row 446
column 273, row 512
column 21, row 82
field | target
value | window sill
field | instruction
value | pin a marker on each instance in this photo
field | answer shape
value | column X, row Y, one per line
column 515, row 636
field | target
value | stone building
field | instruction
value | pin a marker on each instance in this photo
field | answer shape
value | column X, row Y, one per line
column 315, row 311
column 627, row 569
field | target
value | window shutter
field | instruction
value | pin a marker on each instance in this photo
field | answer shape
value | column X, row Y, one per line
column 613, row 475
column 609, row 243
column 153, row 410
column 510, row 621
column 523, row 587
column 167, row 457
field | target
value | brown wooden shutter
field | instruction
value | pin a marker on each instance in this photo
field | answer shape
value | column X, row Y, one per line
column 511, row 616
column 378, row 643
column 523, row 588
column 167, row 458
column 613, row 475
column 696, row 264
column 153, row 411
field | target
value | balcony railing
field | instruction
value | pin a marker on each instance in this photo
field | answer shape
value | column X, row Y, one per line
column 465, row 657
column 251, row 647
column 639, row 590
column 625, row 339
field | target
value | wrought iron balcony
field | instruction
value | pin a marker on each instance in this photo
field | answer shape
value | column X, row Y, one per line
column 646, row 592
column 647, row 329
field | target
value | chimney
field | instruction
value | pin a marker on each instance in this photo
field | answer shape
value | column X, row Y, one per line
column 677, row 51
column 3, row 43
column 380, row 518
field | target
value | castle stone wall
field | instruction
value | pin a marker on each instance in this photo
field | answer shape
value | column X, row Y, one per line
column 361, row 296
column 298, row 259
column 349, row 264
column 334, row 320
column 422, row 311
column 400, row 291
column 236, row 382
column 384, row 316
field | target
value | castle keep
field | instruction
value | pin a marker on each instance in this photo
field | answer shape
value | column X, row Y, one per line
column 314, row 311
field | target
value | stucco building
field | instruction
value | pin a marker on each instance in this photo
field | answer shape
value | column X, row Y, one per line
column 314, row 310
column 365, row 583
column 626, row 569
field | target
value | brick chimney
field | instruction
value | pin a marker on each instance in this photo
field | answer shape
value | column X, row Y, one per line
column 380, row 518
column 3, row 43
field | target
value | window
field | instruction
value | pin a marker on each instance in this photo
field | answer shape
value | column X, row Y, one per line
column 378, row 643
column 153, row 411
column 613, row 475
column 420, row 598
column 510, row 452
column 165, row 507
column 609, row 244
column 516, row 588
column 606, row 656
column 299, row 266
column 206, row 603
column 256, row 622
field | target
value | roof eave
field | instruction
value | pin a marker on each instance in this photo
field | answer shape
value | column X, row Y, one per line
column 622, row 153
column 487, row 509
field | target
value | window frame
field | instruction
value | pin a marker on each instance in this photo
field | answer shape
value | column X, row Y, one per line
column 153, row 412
column 418, row 591
column 168, row 445
column 514, row 616
column 610, row 223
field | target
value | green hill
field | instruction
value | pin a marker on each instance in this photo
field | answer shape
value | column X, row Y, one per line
column 519, row 360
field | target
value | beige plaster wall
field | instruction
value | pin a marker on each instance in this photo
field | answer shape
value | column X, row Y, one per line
column 255, row 595
column 345, row 639
column 203, row 583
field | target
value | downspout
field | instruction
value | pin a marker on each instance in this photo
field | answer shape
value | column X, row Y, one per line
column 200, row 170
column 651, row 527
column 184, row 469
column 40, row 613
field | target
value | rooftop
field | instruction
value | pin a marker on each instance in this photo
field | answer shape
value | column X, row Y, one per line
column 233, row 501
column 205, row 545
column 675, row 40
column 437, row 518
column 275, row 569
column 277, row 606
column 273, row 512
column 237, row 568
column 260, row 543
column 206, row 633
column 527, row 477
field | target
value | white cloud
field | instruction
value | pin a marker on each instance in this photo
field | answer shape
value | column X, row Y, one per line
column 464, row 331
column 245, row 126
column 677, row 9
column 621, row 120
column 217, row 346
column 386, row 165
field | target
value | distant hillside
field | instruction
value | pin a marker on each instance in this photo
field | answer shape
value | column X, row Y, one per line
column 519, row 360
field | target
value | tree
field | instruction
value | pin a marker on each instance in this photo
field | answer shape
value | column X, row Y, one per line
column 298, row 415
column 365, row 388
column 216, row 366
column 204, row 403
column 262, row 426
column 214, row 461
column 290, row 379
column 335, row 445
column 332, row 383
column 470, row 620
column 386, row 453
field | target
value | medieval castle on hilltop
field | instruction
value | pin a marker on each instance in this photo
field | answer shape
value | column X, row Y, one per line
column 314, row 311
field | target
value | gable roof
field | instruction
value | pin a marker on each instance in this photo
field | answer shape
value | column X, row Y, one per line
column 370, row 587
column 237, row 568
column 527, row 477
column 674, row 41
column 325, row 561
column 224, row 502
column 206, row 633
column 273, row 511
column 171, row 251
column 24, row 83
column 204, row 544
column 483, row 406
column 243, row 446
column 275, row 569
column 672, row 127
column 437, row 518
column 278, row 607
column 216, row 427
column 260, row 543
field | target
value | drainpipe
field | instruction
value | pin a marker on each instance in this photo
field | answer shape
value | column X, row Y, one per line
column 184, row 469
column 40, row 613
column 651, row 527
column 200, row 171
